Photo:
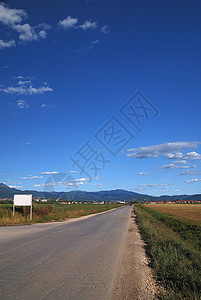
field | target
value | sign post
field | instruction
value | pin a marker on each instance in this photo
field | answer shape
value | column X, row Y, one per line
column 23, row 200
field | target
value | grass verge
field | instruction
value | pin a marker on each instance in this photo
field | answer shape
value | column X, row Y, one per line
column 46, row 213
column 173, row 246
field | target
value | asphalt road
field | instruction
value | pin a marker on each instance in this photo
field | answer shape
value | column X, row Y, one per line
column 75, row 260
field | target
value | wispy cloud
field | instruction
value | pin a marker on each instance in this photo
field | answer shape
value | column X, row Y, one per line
column 153, row 185
column 167, row 150
column 49, row 173
column 175, row 166
column 22, row 90
column 72, row 183
column 32, row 177
column 190, row 172
column 22, row 104
column 105, row 29
column 193, row 180
column 24, row 82
column 88, row 25
column 142, row 173
column 25, row 143
column 95, row 42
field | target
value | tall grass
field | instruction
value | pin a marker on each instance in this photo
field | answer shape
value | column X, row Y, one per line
column 52, row 212
column 174, row 248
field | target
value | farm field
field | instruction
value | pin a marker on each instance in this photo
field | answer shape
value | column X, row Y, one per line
column 190, row 212
column 173, row 244
column 50, row 212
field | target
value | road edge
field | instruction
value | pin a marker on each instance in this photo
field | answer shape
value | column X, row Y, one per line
column 134, row 278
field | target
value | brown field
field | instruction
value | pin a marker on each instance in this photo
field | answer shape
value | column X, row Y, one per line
column 190, row 212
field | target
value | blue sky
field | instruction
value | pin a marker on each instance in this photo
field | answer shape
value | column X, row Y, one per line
column 99, row 95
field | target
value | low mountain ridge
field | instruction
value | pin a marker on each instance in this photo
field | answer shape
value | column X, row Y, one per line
column 110, row 195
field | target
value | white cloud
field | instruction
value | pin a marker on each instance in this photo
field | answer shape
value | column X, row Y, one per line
column 69, row 22
column 165, row 149
column 15, row 187
column 176, row 191
column 42, row 34
column 95, row 42
column 193, row 180
column 153, row 184
column 24, row 82
column 175, row 166
column 48, row 184
column 105, row 29
column 32, row 177
column 44, row 26
column 138, row 189
column 80, row 180
column 188, row 156
column 22, row 77
column 180, row 162
column 7, row 44
column 11, row 16
column 72, row 184
column 27, row 32
column 22, row 90
column 13, row 19
column 88, row 25
column 26, row 143
column 190, row 172
column 142, row 173
column 49, row 173
column 22, row 104
column 72, row 171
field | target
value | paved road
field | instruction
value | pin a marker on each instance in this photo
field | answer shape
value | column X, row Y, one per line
column 75, row 261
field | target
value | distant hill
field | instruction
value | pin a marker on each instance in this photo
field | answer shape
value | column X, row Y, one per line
column 112, row 195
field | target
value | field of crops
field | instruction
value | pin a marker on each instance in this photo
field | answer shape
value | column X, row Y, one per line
column 190, row 212
column 49, row 212
column 174, row 247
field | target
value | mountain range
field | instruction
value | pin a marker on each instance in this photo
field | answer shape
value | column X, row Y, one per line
column 112, row 195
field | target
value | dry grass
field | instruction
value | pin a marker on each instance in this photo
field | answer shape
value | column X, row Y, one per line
column 190, row 212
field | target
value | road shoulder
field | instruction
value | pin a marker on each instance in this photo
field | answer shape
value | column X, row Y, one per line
column 134, row 278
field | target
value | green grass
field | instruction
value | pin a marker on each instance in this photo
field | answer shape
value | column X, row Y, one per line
column 47, row 213
column 173, row 246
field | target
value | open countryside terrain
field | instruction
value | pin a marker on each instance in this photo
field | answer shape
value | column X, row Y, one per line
column 190, row 212
column 49, row 212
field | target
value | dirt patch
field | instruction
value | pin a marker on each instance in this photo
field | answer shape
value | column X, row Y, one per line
column 134, row 278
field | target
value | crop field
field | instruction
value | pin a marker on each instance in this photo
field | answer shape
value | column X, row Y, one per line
column 50, row 212
column 190, row 212
column 173, row 244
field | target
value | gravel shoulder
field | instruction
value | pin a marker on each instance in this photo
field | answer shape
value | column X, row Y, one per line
column 134, row 278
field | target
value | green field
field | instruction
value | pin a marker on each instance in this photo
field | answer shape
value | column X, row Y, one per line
column 174, row 247
column 49, row 212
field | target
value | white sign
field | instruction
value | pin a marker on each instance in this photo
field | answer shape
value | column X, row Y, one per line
column 23, row 200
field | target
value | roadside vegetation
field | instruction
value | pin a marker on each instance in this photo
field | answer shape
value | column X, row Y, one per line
column 49, row 212
column 174, row 247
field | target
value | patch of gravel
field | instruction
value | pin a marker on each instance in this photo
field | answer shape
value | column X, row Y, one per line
column 134, row 278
